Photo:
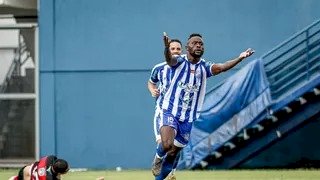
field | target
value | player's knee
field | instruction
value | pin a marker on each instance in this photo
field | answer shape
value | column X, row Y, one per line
column 173, row 152
column 167, row 145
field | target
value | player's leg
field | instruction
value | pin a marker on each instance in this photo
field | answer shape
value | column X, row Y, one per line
column 168, row 162
column 181, row 140
column 167, row 132
column 160, row 153
column 176, row 161
column 167, row 136
column 172, row 176
column 172, row 142
column 157, row 123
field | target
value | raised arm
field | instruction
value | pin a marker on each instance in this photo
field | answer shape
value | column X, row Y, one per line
column 171, row 60
column 221, row 67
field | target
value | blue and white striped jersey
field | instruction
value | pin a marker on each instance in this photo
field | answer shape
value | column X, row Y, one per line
column 161, row 73
column 185, row 95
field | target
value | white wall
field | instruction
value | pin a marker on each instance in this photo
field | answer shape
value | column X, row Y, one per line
column 9, row 40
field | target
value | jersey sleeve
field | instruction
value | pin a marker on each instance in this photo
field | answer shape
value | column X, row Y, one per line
column 154, row 78
column 208, row 66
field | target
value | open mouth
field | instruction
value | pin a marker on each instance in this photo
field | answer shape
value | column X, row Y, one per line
column 197, row 51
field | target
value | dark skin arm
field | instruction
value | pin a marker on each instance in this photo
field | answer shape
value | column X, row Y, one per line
column 221, row 67
column 216, row 68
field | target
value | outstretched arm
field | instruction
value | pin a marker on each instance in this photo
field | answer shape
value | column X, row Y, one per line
column 153, row 89
column 221, row 67
column 171, row 60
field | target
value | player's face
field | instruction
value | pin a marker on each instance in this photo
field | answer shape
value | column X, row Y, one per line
column 175, row 48
column 195, row 47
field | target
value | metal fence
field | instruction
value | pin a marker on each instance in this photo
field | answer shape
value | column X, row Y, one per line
column 294, row 62
column 19, row 117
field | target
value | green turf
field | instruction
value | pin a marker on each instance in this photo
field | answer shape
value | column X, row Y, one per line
column 190, row 175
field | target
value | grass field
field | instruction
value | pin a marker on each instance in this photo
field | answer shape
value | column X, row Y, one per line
column 189, row 175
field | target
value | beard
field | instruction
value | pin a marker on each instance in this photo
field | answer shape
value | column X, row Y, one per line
column 197, row 54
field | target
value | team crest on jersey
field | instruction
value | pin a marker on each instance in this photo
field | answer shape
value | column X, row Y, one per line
column 188, row 87
column 42, row 171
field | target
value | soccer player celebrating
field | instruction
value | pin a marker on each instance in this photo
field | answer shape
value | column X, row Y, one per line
column 161, row 73
column 184, row 98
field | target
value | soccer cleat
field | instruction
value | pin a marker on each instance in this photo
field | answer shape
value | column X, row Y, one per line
column 171, row 177
column 156, row 166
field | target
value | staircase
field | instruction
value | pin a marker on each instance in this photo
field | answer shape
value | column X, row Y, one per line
column 293, row 72
column 17, row 126
column 294, row 62
column 17, row 120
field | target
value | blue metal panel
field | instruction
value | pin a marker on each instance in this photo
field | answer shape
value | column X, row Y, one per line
column 105, row 119
column 95, row 34
column 46, row 34
column 47, row 115
column 85, row 42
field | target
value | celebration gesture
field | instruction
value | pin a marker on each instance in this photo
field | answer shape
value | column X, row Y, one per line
column 166, row 40
column 246, row 53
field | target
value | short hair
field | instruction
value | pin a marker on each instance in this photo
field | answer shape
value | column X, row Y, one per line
column 60, row 166
column 194, row 35
column 175, row 40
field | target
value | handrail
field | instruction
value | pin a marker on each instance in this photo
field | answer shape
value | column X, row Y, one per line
column 18, row 26
column 307, row 46
column 8, row 75
column 290, row 38
column 303, row 51
column 16, row 60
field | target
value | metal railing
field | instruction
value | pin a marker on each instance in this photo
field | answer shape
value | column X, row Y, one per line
column 20, row 99
column 293, row 62
column 15, row 66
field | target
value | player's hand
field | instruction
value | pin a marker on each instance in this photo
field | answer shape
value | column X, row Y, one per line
column 166, row 40
column 155, row 92
column 246, row 53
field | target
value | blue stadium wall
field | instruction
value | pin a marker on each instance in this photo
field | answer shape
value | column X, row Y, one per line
column 96, row 56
